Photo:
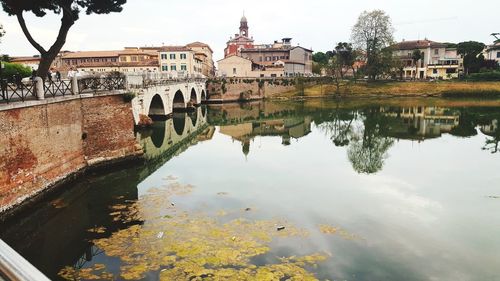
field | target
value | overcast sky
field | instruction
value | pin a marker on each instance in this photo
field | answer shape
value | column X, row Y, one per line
column 317, row 24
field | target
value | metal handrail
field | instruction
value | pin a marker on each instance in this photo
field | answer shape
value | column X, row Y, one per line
column 14, row 267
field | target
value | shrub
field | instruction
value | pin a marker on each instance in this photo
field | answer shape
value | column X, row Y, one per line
column 12, row 69
column 485, row 76
column 129, row 96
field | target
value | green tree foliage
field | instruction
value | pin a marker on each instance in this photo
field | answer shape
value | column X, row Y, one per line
column 320, row 58
column 69, row 9
column 472, row 54
column 12, row 69
column 415, row 57
column 373, row 33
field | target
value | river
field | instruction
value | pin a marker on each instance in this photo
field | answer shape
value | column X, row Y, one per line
column 396, row 189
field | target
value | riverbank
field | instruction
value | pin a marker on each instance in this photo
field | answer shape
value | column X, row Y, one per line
column 400, row 89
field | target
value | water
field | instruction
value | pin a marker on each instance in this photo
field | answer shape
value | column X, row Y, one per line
column 365, row 190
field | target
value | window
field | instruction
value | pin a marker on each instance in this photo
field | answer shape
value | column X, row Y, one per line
column 123, row 59
column 435, row 71
column 184, row 67
column 113, row 60
column 436, row 51
column 234, row 70
column 163, row 56
column 173, row 67
column 183, row 56
column 134, row 58
column 172, row 56
column 498, row 55
column 164, row 68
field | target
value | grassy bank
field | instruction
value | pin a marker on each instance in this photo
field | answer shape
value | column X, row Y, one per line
column 410, row 89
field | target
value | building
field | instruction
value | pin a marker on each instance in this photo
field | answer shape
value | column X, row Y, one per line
column 492, row 52
column 204, row 53
column 236, row 66
column 279, row 59
column 437, row 60
column 128, row 60
column 31, row 62
column 180, row 61
column 240, row 41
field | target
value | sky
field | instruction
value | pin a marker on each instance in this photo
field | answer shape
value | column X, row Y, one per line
column 316, row 24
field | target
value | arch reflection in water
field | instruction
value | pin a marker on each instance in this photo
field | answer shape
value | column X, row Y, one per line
column 164, row 135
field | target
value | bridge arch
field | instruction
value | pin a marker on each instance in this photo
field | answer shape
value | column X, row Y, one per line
column 157, row 109
column 203, row 96
column 194, row 97
column 179, row 103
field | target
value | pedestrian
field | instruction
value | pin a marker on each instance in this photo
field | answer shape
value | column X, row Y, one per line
column 49, row 76
column 58, row 76
column 33, row 75
column 71, row 73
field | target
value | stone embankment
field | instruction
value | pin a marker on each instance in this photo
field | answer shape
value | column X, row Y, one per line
column 46, row 144
column 248, row 89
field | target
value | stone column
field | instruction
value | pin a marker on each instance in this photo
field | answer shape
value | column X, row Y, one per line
column 40, row 91
column 74, row 85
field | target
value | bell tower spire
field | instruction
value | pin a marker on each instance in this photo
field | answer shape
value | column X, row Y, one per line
column 244, row 26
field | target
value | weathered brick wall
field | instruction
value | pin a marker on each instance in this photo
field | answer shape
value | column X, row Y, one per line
column 43, row 144
column 234, row 88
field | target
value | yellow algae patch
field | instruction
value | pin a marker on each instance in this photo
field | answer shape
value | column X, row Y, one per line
column 183, row 246
column 331, row 230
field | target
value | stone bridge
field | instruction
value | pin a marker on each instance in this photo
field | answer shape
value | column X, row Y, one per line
column 160, row 98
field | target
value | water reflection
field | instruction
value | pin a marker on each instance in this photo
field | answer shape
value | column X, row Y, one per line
column 339, row 177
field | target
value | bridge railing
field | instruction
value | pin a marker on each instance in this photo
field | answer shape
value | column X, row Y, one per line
column 147, row 80
column 13, row 267
column 100, row 84
column 37, row 89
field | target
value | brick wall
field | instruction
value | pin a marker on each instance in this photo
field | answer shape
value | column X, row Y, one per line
column 44, row 144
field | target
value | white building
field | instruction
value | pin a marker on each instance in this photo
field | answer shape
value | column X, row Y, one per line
column 492, row 52
column 437, row 60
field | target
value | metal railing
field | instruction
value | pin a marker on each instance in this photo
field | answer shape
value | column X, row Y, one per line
column 13, row 267
column 57, row 88
column 16, row 91
column 99, row 84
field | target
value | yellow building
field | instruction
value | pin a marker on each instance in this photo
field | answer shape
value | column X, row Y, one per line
column 179, row 61
column 204, row 53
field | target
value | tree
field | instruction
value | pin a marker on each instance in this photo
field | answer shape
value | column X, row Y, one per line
column 2, row 31
column 415, row 57
column 472, row 54
column 70, row 10
column 372, row 33
column 345, row 55
column 320, row 58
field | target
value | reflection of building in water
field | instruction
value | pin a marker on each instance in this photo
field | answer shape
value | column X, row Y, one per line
column 286, row 128
column 490, row 129
column 421, row 122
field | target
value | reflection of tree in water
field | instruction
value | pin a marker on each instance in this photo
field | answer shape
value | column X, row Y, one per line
column 339, row 126
column 493, row 139
column 368, row 142
column 369, row 145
